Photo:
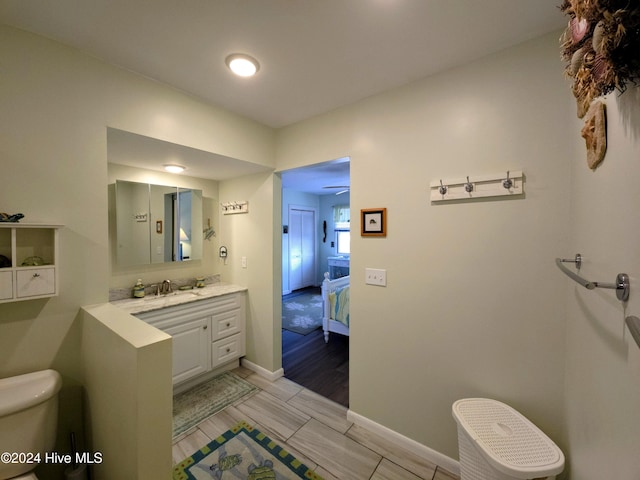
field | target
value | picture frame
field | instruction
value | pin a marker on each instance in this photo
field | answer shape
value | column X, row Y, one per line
column 373, row 222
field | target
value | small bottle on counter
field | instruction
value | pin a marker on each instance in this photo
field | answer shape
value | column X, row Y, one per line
column 138, row 289
column 199, row 282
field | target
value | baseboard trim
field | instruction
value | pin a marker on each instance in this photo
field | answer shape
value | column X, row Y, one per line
column 407, row 443
column 263, row 372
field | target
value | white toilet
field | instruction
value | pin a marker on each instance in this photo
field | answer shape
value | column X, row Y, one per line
column 28, row 420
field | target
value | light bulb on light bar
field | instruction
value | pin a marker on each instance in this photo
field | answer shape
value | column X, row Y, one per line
column 242, row 65
column 174, row 168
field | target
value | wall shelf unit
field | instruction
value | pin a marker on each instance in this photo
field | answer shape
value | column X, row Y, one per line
column 28, row 262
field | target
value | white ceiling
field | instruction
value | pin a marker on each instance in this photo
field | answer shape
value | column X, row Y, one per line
column 315, row 55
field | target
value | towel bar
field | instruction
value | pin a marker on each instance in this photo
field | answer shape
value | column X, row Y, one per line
column 621, row 285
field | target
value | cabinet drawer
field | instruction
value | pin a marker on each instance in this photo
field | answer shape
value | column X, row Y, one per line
column 6, row 285
column 225, row 350
column 225, row 324
column 225, row 303
column 35, row 282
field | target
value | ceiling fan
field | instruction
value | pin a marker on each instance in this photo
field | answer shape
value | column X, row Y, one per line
column 344, row 188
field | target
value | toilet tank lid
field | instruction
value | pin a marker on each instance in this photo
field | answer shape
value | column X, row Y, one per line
column 24, row 391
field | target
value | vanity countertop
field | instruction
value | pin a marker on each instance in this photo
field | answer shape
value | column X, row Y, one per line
column 153, row 302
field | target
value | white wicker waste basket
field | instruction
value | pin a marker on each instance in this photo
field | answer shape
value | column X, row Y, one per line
column 497, row 443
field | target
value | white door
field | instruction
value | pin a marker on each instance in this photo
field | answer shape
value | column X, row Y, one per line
column 302, row 248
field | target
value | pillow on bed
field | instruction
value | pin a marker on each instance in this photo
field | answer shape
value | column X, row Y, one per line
column 339, row 305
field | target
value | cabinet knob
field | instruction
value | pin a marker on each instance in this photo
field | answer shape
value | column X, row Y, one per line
column 228, row 349
column 228, row 324
column 36, row 275
column 205, row 327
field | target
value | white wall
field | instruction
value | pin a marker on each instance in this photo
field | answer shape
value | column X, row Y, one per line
column 474, row 304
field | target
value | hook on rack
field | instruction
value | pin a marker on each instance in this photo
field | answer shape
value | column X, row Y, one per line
column 507, row 183
column 468, row 187
column 443, row 188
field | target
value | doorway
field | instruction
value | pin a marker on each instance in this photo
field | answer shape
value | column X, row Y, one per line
column 309, row 237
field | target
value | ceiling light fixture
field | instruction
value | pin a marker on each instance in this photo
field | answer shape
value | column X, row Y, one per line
column 173, row 168
column 242, row 65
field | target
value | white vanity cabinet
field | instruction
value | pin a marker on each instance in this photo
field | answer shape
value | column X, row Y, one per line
column 22, row 243
column 207, row 334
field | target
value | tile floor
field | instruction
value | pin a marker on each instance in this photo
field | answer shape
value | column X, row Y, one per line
column 316, row 431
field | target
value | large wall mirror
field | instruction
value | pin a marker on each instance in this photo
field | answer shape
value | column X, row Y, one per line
column 157, row 224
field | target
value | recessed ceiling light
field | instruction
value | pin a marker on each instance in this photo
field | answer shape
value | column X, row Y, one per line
column 174, row 168
column 242, row 65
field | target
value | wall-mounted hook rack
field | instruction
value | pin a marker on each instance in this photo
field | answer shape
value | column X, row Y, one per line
column 230, row 208
column 508, row 183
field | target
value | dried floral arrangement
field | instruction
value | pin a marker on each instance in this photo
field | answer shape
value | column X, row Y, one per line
column 601, row 46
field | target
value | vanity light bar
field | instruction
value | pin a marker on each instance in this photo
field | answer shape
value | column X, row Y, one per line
column 230, row 208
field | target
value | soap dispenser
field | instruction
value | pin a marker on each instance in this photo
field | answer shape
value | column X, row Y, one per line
column 138, row 289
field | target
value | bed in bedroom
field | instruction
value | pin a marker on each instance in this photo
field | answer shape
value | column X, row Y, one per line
column 335, row 306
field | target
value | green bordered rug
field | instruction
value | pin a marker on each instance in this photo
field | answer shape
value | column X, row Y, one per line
column 242, row 453
column 202, row 401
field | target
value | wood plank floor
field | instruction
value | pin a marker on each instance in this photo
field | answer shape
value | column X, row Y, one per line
column 320, row 367
column 316, row 431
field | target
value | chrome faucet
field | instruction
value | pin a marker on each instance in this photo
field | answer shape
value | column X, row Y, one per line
column 166, row 287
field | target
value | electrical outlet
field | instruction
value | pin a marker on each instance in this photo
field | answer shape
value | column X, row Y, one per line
column 244, row 262
column 375, row 276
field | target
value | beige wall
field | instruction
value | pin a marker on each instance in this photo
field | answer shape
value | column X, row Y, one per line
column 474, row 304
column 56, row 105
column 256, row 236
column 126, row 365
column 603, row 361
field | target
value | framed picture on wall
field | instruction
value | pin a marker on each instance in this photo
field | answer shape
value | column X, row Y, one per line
column 373, row 222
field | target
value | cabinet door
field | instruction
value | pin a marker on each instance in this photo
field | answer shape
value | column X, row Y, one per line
column 191, row 351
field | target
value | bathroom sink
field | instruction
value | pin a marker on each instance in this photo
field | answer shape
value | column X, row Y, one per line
column 156, row 302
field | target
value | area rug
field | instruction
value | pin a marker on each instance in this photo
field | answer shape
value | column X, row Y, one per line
column 302, row 313
column 202, row 401
column 242, row 452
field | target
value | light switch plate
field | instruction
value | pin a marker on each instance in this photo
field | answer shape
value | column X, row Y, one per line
column 375, row 276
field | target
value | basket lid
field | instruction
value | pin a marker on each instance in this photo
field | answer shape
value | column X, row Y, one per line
column 506, row 439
